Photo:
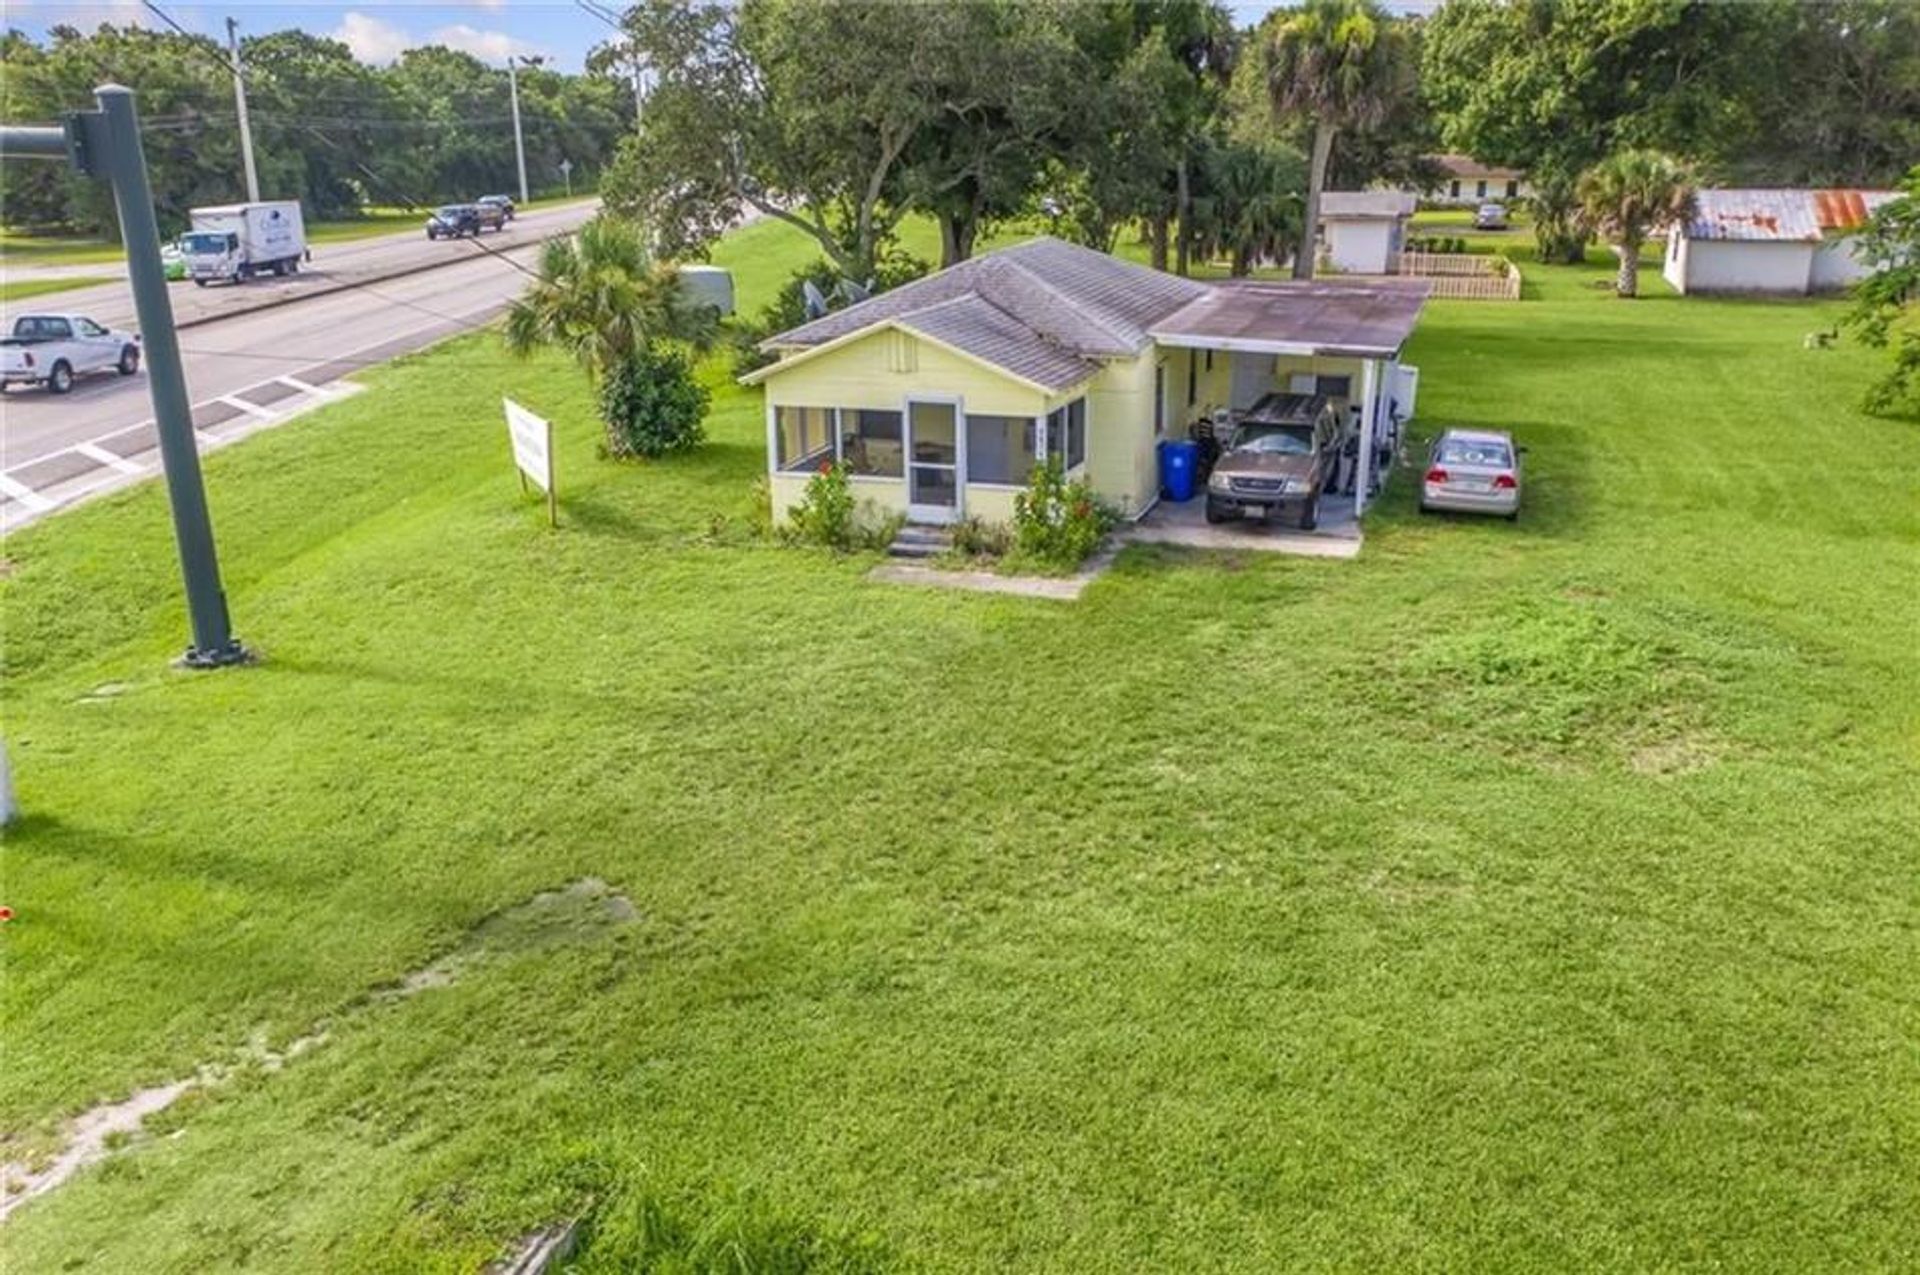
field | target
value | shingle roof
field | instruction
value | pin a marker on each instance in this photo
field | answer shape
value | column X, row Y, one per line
column 1337, row 204
column 1086, row 302
column 982, row 329
column 1048, row 312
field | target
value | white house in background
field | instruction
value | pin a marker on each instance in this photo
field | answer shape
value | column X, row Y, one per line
column 1362, row 231
column 1468, row 183
column 1774, row 242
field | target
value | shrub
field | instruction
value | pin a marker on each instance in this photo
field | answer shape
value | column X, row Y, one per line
column 830, row 514
column 1057, row 523
column 651, row 404
column 975, row 538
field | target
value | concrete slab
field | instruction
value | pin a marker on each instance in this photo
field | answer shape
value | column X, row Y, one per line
column 1337, row 536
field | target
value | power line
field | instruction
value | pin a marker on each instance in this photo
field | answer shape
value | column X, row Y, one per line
column 405, row 199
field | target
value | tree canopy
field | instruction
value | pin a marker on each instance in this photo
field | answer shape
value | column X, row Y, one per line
column 328, row 129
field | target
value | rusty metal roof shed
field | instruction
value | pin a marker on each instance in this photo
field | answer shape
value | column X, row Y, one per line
column 1780, row 216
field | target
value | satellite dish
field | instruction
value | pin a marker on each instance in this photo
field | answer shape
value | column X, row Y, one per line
column 815, row 299
column 855, row 292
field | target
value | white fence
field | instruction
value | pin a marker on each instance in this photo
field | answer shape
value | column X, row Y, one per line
column 1464, row 276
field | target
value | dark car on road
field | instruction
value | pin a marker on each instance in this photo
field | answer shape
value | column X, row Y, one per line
column 503, row 203
column 1278, row 460
column 450, row 221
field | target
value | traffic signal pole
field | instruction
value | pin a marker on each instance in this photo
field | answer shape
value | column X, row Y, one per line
column 105, row 143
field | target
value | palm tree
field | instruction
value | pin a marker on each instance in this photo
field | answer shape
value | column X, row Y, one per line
column 1343, row 64
column 1629, row 196
column 602, row 298
column 1248, row 206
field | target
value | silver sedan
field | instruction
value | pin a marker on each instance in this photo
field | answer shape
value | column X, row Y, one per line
column 1473, row 471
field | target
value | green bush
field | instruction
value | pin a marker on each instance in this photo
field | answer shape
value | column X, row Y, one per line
column 830, row 514
column 1057, row 523
column 652, row 405
column 974, row 537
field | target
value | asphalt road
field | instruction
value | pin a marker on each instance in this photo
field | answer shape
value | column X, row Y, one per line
column 250, row 370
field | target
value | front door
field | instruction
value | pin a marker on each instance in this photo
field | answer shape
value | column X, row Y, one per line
column 936, row 466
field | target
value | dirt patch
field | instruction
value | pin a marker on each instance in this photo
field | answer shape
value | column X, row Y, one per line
column 580, row 912
column 1680, row 755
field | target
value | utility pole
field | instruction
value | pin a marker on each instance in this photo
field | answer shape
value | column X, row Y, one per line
column 240, row 106
column 519, row 146
column 105, row 143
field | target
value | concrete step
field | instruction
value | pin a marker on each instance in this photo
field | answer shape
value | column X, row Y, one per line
column 920, row 542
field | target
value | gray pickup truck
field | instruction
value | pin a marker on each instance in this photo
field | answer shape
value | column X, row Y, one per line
column 1278, row 460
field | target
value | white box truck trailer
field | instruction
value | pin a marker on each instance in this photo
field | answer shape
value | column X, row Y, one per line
column 234, row 242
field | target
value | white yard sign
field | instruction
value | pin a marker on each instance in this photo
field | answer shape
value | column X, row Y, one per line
column 532, row 450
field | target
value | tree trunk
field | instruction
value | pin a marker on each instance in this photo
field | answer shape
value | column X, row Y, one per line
column 1316, row 182
column 1157, row 239
column 1628, row 282
column 1183, row 208
column 956, row 238
column 1242, row 262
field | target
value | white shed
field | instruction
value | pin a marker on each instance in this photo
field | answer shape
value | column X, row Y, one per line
column 1769, row 242
column 1362, row 231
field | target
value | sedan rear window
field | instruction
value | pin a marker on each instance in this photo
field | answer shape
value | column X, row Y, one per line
column 1457, row 451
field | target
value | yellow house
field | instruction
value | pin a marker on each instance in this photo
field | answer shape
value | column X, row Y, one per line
column 940, row 396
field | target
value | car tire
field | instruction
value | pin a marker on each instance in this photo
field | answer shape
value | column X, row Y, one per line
column 1310, row 514
column 59, row 378
column 129, row 360
column 1214, row 516
column 199, row 283
column 1514, row 516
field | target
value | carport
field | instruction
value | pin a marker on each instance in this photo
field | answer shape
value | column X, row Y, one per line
column 1325, row 336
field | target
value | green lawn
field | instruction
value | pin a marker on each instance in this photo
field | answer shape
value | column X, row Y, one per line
column 1511, row 897
column 21, row 289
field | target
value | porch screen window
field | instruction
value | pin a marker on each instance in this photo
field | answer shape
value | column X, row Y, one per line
column 804, row 436
column 1000, row 449
column 870, row 442
column 1334, row 386
column 1067, row 434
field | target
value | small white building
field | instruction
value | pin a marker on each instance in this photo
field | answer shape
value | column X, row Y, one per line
column 1362, row 231
column 1468, row 183
column 1769, row 242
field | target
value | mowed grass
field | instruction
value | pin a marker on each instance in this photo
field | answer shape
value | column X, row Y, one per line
column 22, row 289
column 1511, row 897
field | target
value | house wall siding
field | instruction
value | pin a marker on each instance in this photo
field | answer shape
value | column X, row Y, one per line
column 1757, row 266
column 1121, row 462
column 862, row 374
column 1359, row 247
column 1835, row 266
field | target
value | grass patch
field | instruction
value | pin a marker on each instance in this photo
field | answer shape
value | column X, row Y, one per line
column 21, row 289
column 1527, row 896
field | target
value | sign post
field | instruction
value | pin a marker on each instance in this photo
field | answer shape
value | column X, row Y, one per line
column 532, row 438
column 566, row 171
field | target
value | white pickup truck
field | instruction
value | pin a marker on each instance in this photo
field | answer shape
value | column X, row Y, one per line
column 52, row 349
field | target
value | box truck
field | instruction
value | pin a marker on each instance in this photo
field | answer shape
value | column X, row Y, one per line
column 234, row 242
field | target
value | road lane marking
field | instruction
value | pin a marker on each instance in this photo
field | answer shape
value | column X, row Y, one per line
column 294, row 382
column 252, row 409
column 107, row 458
column 25, row 495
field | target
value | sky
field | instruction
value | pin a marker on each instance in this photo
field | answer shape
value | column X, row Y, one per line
column 378, row 30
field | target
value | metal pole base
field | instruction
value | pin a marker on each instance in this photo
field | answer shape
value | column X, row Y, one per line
column 218, row 657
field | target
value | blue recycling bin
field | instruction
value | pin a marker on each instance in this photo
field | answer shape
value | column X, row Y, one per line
column 1179, row 466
